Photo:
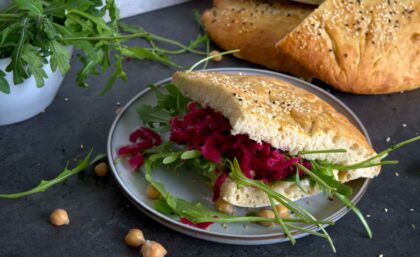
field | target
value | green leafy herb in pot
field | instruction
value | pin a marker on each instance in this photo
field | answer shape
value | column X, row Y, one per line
column 36, row 32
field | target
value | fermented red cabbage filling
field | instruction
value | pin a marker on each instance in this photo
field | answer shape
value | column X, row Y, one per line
column 208, row 131
column 141, row 139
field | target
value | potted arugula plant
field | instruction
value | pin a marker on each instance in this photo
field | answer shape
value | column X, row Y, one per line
column 36, row 40
column 36, row 46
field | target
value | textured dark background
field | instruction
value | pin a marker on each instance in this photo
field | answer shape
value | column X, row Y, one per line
column 100, row 214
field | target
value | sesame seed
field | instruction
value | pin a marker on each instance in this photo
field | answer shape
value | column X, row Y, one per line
column 397, row 174
column 367, row 215
column 386, row 210
column 404, row 125
column 66, row 99
column 387, row 139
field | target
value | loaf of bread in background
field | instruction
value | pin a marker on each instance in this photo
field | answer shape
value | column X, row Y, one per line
column 363, row 47
column 254, row 27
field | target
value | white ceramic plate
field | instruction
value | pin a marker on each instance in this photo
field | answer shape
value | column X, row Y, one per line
column 191, row 187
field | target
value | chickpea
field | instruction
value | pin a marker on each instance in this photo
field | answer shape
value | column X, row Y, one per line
column 153, row 249
column 216, row 56
column 152, row 192
column 134, row 237
column 59, row 217
column 283, row 211
column 101, row 169
column 224, row 206
column 266, row 214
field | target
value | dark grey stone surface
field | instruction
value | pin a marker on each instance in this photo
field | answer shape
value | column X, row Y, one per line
column 100, row 214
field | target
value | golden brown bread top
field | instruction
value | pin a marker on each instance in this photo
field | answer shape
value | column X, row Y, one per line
column 254, row 27
column 365, row 47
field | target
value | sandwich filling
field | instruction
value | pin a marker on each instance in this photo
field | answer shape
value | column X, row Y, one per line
column 209, row 132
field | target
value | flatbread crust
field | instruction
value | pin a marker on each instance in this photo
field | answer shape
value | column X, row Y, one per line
column 363, row 47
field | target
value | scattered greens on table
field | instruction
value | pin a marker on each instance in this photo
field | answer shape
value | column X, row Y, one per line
column 64, row 175
column 35, row 32
column 170, row 103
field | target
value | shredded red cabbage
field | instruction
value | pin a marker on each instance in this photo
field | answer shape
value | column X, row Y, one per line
column 218, row 184
column 208, row 131
column 202, row 225
column 141, row 139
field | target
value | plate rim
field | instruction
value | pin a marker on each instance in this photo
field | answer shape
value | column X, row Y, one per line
column 216, row 236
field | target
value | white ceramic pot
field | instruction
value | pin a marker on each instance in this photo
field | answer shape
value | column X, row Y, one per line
column 27, row 100
column 4, row 4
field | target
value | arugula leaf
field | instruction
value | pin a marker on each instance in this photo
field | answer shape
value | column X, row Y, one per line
column 340, row 188
column 298, row 183
column 113, row 12
column 149, row 114
column 197, row 18
column 191, row 154
column 117, row 73
column 170, row 103
column 130, row 28
column 200, row 39
column 359, row 214
column 35, row 64
column 60, row 57
column 49, row 29
column 162, row 206
column 66, row 173
column 170, row 159
column 16, row 65
column 4, row 85
column 34, row 7
column 142, row 53
column 281, row 222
